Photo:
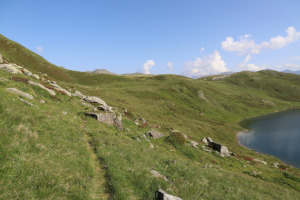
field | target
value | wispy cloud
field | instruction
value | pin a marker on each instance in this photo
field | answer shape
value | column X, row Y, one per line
column 147, row 66
column 170, row 66
column 211, row 64
column 202, row 49
column 245, row 45
column 39, row 49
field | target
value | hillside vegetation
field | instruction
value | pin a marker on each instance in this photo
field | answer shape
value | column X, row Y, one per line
column 52, row 150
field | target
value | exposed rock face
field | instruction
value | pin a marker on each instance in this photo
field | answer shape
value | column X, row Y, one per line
column 93, row 99
column 43, row 87
column 156, row 174
column 1, row 59
column 35, row 76
column 78, row 94
column 18, row 92
column 154, row 134
column 102, row 71
column 220, row 77
column 26, row 102
column 221, row 148
column 162, row 195
column 209, row 140
column 10, row 68
column 105, row 108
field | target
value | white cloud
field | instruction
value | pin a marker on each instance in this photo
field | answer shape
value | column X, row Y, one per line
column 39, row 49
column 170, row 66
column 211, row 64
column 202, row 49
column 291, row 66
column 147, row 66
column 245, row 45
column 248, row 66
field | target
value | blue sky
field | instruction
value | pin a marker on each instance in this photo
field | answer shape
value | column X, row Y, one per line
column 190, row 38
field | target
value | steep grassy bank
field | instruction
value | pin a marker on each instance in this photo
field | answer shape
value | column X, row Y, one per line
column 44, row 152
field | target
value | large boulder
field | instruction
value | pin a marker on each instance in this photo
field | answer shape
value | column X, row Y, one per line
column 93, row 99
column 220, row 148
column 154, row 134
column 108, row 118
column 43, row 87
column 10, row 68
column 20, row 93
column 162, row 195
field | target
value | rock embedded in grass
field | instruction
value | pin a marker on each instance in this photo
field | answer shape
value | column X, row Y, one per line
column 156, row 174
column 162, row 195
column 154, row 134
column 20, row 93
column 11, row 68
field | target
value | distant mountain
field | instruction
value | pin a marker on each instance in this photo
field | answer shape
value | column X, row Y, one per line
column 101, row 71
column 291, row 72
column 223, row 73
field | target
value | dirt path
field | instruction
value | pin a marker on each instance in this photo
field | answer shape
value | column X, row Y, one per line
column 99, row 190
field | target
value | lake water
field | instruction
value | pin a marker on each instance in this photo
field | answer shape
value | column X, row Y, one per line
column 276, row 134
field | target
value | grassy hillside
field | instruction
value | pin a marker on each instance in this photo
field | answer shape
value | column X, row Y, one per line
column 52, row 151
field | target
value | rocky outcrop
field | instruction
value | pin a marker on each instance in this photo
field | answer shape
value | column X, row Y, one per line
column 162, row 195
column 20, row 93
column 220, row 77
column 51, row 92
column 58, row 88
column 260, row 161
column 154, row 134
column 11, row 68
column 93, row 99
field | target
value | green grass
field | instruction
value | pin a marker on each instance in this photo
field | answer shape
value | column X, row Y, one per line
column 44, row 153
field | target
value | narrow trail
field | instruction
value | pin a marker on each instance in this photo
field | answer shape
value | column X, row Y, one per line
column 99, row 182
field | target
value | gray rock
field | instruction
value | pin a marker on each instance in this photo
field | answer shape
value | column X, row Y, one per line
column 254, row 173
column 43, row 87
column 105, row 108
column 143, row 120
column 220, row 148
column 18, row 92
column 118, row 122
column 244, row 166
column 26, row 102
column 95, row 109
column 194, row 144
column 162, row 195
column 11, row 68
column 1, row 59
column 93, row 99
column 58, row 88
column 260, row 161
column 176, row 131
column 155, row 134
column 108, row 118
column 65, row 112
column 275, row 165
column 42, row 101
column 35, row 76
column 201, row 95
column 204, row 140
column 78, row 94
column 156, row 174
column 209, row 140
column 151, row 146
column 85, row 104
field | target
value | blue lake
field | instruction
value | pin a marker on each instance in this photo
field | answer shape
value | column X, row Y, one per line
column 275, row 134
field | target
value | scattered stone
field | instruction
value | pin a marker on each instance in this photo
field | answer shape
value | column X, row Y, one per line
column 260, row 161
column 42, row 101
column 156, row 174
column 93, row 99
column 220, row 77
column 204, row 140
column 11, row 68
column 194, row 144
column 155, row 134
column 78, row 94
column 233, row 154
column 151, row 146
column 18, row 92
column 65, row 112
column 267, row 102
column 43, row 87
column 26, row 102
column 35, row 76
column 143, row 120
column 209, row 140
column 144, row 136
column 58, row 88
column 244, row 166
column 162, row 195
column 275, row 165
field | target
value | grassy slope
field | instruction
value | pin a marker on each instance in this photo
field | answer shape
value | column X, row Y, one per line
column 59, row 165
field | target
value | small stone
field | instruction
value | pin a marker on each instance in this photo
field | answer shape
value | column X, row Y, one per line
column 244, row 166
column 151, row 146
column 42, row 101
column 65, row 112
column 275, row 165
column 260, row 161
column 156, row 174
column 155, row 134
